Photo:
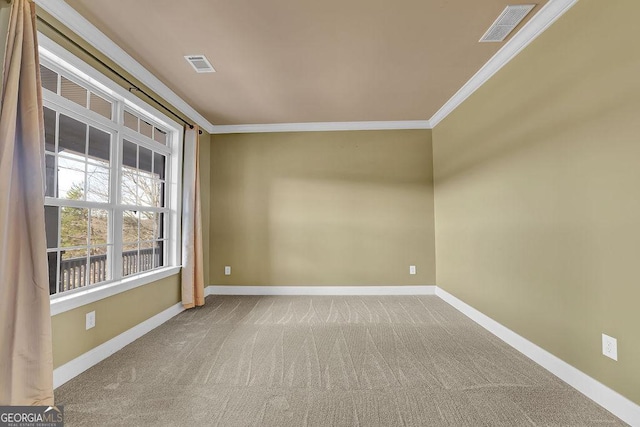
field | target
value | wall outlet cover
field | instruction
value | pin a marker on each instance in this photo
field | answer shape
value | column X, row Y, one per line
column 90, row 320
column 610, row 347
column 227, row 270
column 412, row 269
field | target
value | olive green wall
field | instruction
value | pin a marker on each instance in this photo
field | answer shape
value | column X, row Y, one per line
column 322, row 208
column 537, row 179
column 114, row 315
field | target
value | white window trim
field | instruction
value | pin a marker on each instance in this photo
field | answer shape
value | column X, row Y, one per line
column 64, row 302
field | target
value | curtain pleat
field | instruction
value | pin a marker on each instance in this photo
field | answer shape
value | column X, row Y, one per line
column 192, row 260
column 26, row 361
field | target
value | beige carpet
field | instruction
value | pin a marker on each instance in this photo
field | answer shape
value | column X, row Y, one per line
column 323, row 361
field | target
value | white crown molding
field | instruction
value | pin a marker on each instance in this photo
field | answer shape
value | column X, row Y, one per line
column 553, row 10
column 536, row 26
column 321, row 126
column 79, row 25
column 75, row 367
column 320, row 290
column 609, row 399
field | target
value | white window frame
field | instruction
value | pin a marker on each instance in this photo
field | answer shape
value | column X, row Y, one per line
column 56, row 57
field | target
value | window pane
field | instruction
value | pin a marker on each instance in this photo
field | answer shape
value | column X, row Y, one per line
column 129, row 226
column 73, row 92
column 99, row 227
column 49, row 79
column 98, row 266
column 50, row 129
column 144, row 159
column 50, row 175
column 99, row 144
column 158, row 254
column 99, row 105
column 70, row 179
column 146, row 256
column 159, row 227
column 51, row 225
column 146, row 192
column 129, row 154
column 159, row 165
column 73, row 136
column 130, row 121
column 160, row 136
column 145, row 128
column 162, row 194
column 129, row 259
column 73, row 269
column 128, row 187
column 147, row 223
column 73, row 226
column 158, row 188
column 97, row 183
column 52, row 259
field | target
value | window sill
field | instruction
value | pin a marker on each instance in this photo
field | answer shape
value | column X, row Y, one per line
column 60, row 304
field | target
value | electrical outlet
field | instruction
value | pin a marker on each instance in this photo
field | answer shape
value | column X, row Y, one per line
column 227, row 270
column 90, row 320
column 610, row 347
column 412, row 269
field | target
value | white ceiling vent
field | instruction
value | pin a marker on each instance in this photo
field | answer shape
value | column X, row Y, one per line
column 200, row 63
column 510, row 17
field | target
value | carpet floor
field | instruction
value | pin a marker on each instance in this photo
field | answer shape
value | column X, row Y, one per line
column 323, row 361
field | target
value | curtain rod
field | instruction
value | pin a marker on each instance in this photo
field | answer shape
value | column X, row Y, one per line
column 132, row 87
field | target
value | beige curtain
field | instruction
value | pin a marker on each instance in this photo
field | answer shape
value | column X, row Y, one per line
column 26, row 362
column 192, row 267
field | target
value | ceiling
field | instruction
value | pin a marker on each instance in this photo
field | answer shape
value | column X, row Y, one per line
column 297, row 61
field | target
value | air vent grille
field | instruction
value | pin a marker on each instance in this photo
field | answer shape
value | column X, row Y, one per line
column 200, row 63
column 510, row 17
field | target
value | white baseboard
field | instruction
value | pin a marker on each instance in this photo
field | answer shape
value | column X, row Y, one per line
column 94, row 356
column 612, row 401
column 320, row 290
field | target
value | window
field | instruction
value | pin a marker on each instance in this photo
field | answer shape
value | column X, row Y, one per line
column 111, row 164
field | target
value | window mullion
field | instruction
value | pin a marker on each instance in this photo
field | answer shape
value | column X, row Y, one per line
column 58, row 253
column 55, row 193
column 116, row 174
